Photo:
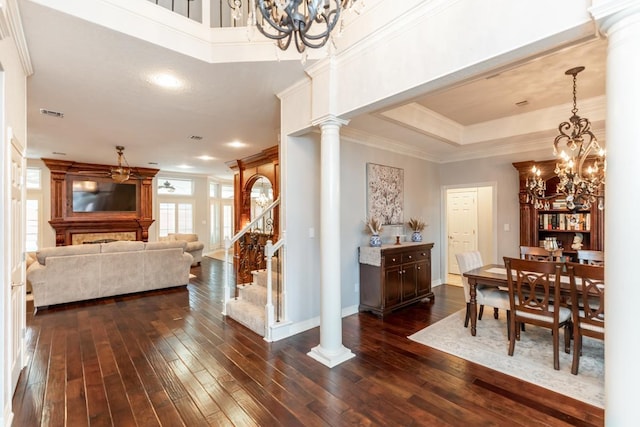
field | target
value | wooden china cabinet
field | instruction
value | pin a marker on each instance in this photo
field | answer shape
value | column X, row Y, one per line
column 554, row 220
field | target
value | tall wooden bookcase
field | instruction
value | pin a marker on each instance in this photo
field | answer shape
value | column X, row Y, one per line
column 556, row 221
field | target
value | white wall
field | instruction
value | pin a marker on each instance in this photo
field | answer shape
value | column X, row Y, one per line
column 486, row 230
column 421, row 199
column 12, row 115
column 501, row 171
column 302, row 214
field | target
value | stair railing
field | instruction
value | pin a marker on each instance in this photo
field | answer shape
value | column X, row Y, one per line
column 228, row 244
column 272, row 316
column 212, row 13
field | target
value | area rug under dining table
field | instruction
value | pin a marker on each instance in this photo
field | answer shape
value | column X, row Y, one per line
column 533, row 356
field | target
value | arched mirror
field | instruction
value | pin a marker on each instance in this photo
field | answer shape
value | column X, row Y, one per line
column 261, row 197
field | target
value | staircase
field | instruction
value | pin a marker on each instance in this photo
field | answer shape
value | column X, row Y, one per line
column 257, row 299
column 248, row 308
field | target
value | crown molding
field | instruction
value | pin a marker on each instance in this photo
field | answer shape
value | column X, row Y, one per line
column 11, row 27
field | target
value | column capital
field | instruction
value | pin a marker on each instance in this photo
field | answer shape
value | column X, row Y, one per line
column 329, row 119
column 607, row 13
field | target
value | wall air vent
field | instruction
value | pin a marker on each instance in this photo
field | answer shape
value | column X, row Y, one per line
column 522, row 103
column 51, row 113
column 195, row 137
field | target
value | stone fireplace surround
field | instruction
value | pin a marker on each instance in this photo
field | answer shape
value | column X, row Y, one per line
column 81, row 238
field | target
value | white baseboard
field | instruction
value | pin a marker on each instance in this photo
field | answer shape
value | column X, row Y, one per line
column 289, row 329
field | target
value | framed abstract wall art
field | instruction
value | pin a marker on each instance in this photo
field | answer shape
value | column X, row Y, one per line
column 385, row 193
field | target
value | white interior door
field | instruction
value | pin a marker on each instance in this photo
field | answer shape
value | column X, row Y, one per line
column 462, row 224
column 16, row 257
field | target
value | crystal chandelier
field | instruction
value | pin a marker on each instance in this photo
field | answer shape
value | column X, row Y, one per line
column 262, row 200
column 120, row 174
column 580, row 170
column 293, row 19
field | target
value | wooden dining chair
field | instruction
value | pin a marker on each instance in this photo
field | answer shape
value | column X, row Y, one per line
column 533, row 288
column 591, row 257
column 536, row 253
column 587, row 305
column 485, row 295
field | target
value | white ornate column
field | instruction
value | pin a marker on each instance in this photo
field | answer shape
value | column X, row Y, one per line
column 620, row 21
column 330, row 352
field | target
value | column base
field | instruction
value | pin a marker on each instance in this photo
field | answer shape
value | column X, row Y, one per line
column 329, row 358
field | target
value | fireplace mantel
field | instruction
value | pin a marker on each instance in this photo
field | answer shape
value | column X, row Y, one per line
column 66, row 222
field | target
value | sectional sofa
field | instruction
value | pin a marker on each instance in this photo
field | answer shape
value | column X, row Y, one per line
column 194, row 247
column 81, row 272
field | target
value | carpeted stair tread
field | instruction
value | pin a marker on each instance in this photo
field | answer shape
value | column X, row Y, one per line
column 260, row 278
column 250, row 315
column 256, row 294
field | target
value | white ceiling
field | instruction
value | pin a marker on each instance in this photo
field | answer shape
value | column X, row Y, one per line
column 98, row 78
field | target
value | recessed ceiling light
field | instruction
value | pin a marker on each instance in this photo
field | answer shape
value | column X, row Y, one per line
column 166, row 80
column 237, row 144
column 205, row 157
column 185, row 167
column 51, row 113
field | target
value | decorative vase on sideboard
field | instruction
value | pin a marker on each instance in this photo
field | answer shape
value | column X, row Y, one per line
column 375, row 240
column 416, row 236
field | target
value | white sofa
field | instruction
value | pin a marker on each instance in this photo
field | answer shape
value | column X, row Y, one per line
column 194, row 247
column 81, row 272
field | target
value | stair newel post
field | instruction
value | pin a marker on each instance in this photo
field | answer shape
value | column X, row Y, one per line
column 227, row 274
column 269, row 315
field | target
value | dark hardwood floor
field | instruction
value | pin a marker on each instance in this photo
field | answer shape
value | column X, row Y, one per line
column 169, row 358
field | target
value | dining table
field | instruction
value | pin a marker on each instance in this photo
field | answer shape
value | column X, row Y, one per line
column 496, row 275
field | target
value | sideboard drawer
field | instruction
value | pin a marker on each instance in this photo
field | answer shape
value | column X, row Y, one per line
column 421, row 255
column 392, row 259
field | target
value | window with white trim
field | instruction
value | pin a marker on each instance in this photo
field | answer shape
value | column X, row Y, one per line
column 175, row 217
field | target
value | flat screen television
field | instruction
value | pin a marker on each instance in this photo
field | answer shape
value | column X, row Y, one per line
column 103, row 196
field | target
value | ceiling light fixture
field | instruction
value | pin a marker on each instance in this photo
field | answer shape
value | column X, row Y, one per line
column 581, row 185
column 120, row 173
column 286, row 20
column 166, row 81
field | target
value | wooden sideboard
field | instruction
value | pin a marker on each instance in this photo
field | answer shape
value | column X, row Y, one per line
column 394, row 276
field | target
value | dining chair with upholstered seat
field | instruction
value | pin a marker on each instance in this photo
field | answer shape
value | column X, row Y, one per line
column 536, row 253
column 534, row 298
column 587, row 305
column 485, row 295
column 590, row 257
